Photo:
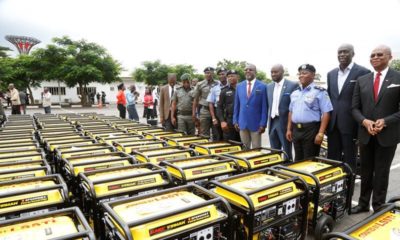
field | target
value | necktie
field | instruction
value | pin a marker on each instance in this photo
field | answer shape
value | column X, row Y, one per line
column 249, row 90
column 376, row 85
column 172, row 94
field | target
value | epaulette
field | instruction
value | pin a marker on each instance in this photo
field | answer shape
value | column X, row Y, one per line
column 320, row 88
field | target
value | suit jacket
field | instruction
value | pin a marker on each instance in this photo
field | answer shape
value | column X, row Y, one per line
column 165, row 102
column 251, row 113
column 284, row 101
column 386, row 107
column 341, row 116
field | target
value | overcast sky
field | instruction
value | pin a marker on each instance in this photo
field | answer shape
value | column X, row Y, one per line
column 201, row 33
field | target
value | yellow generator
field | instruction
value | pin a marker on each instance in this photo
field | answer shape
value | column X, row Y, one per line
column 186, row 212
column 125, row 137
column 101, row 133
column 141, row 130
column 24, row 169
column 330, row 185
column 185, row 141
column 32, row 196
column 72, row 166
column 138, row 145
column 156, row 155
column 267, row 204
column 162, row 135
column 200, row 169
column 116, row 183
column 220, row 147
column 257, row 158
column 65, row 224
column 4, row 148
column 80, row 150
column 384, row 224
column 21, row 156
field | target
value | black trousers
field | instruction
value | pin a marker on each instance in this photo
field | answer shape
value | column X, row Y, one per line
column 375, row 169
column 16, row 109
column 303, row 140
column 342, row 147
column 122, row 111
column 231, row 134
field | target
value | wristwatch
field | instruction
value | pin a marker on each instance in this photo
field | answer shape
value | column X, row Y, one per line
column 320, row 135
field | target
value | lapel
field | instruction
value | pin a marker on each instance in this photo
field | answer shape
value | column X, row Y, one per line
column 254, row 89
column 386, row 82
column 370, row 85
column 335, row 86
column 349, row 77
column 271, row 93
column 283, row 90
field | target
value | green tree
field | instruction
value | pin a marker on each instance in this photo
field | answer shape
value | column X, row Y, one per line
column 155, row 73
column 151, row 73
column 78, row 63
column 395, row 64
column 24, row 72
column 239, row 66
column 3, row 51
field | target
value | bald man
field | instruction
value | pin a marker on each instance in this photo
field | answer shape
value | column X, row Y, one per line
column 278, row 109
column 342, row 129
column 375, row 107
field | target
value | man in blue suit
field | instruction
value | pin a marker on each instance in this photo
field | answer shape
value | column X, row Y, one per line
column 278, row 109
column 250, row 111
column 342, row 129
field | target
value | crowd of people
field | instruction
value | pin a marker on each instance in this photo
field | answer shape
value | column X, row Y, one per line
column 18, row 100
column 359, row 112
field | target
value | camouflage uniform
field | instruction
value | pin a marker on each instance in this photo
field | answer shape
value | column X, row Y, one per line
column 201, row 93
column 184, row 100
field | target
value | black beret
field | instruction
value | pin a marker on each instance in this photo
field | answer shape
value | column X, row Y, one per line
column 231, row 72
column 207, row 69
column 307, row 67
column 221, row 70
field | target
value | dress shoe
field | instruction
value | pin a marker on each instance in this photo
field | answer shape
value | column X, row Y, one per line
column 359, row 209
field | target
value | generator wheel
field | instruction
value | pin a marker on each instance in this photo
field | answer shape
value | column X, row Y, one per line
column 324, row 225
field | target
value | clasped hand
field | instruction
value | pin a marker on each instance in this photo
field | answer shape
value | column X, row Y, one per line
column 372, row 127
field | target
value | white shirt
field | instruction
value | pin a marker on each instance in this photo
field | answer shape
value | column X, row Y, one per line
column 342, row 76
column 170, row 91
column 276, row 97
column 383, row 75
column 251, row 86
column 46, row 99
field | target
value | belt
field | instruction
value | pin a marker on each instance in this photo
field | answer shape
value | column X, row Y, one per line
column 185, row 113
column 305, row 125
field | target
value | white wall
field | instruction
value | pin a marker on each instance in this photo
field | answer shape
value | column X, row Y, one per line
column 72, row 96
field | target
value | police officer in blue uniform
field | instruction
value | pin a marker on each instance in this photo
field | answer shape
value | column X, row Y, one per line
column 309, row 113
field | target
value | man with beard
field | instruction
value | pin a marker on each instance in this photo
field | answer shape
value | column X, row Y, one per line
column 250, row 111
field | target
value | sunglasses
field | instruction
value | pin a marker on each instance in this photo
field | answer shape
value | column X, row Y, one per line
column 376, row 55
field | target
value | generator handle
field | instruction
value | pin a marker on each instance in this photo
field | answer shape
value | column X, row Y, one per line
column 336, row 236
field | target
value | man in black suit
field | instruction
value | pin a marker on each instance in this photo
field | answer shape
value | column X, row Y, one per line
column 375, row 107
column 342, row 129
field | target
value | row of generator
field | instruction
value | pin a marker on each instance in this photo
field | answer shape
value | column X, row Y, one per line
column 91, row 176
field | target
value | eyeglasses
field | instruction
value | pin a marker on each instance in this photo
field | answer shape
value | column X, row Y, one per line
column 377, row 55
